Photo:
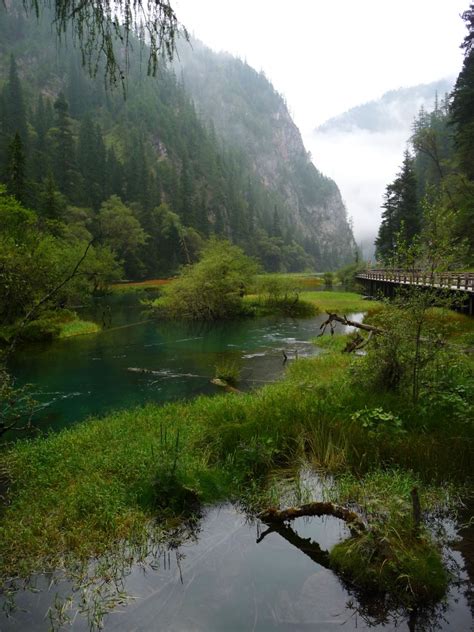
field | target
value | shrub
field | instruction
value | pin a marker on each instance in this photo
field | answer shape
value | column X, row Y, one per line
column 211, row 289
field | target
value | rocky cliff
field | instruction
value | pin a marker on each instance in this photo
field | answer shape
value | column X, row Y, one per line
column 248, row 112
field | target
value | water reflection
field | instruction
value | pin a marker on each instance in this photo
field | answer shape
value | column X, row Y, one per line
column 220, row 574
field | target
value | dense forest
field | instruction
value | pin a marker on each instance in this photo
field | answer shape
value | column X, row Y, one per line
column 145, row 177
column 431, row 199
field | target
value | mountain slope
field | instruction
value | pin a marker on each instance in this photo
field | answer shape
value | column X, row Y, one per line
column 248, row 113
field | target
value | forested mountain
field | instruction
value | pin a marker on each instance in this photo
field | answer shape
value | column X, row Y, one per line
column 150, row 177
column 394, row 110
column 428, row 211
column 247, row 112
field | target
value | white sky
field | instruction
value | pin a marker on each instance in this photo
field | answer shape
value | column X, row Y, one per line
column 326, row 56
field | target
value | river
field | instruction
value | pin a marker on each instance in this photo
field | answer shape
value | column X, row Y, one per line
column 90, row 375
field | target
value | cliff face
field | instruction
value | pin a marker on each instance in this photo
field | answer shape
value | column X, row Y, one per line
column 247, row 112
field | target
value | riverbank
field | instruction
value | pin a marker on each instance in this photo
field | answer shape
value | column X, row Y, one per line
column 103, row 481
column 60, row 324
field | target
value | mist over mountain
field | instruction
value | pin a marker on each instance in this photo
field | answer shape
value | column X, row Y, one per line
column 395, row 109
column 248, row 113
column 362, row 149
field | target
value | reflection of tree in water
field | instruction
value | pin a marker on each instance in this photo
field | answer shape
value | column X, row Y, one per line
column 374, row 609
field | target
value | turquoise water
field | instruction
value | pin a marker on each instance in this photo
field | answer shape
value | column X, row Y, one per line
column 90, row 375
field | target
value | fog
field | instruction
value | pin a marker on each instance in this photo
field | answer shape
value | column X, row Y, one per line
column 362, row 163
column 362, row 150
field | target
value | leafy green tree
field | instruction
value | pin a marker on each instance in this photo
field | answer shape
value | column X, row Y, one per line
column 213, row 288
column 121, row 231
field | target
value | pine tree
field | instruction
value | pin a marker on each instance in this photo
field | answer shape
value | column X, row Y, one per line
column 91, row 161
column 402, row 214
column 52, row 204
column 64, row 161
column 16, row 169
column 14, row 107
column 462, row 106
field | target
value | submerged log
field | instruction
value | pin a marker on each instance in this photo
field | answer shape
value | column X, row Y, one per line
column 227, row 387
column 273, row 515
column 305, row 545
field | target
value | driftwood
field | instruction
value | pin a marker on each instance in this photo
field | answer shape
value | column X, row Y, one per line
column 136, row 369
column 276, row 516
column 332, row 318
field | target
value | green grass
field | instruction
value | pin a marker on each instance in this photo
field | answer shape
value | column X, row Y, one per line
column 338, row 302
column 78, row 328
column 302, row 280
column 262, row 306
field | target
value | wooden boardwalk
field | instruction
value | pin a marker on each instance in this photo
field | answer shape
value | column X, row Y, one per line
column 385, row 281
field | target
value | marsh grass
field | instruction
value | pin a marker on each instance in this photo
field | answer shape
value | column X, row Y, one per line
column 339, row 302
column 78, row 328
column 228, row 369
column 391, row 557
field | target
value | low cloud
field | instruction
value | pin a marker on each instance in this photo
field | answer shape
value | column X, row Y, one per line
column 362, row 163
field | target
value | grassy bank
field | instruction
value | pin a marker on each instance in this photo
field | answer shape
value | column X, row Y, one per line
column 340, row 302
column 138, row 286
column 58, row 324
column 78, row 327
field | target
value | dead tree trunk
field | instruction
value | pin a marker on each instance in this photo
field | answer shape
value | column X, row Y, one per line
column 276, row 516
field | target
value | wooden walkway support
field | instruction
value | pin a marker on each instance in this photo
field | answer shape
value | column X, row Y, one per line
column 386, row 281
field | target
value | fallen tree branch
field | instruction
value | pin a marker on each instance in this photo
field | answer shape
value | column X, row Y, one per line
column 354, row 522
column 332, row 318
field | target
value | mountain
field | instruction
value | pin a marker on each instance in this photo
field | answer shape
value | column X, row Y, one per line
column 248, row 113
column 394, row 110
column 184, row 170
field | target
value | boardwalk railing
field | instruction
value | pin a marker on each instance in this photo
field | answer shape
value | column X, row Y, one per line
column 461, row 281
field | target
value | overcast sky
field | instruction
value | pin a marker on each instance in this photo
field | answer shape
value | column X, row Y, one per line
column 326, row 56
